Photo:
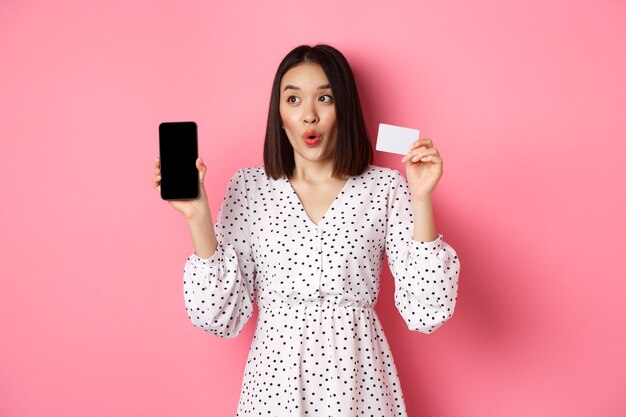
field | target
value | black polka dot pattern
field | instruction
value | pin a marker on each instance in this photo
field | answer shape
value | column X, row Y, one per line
column 319, row 348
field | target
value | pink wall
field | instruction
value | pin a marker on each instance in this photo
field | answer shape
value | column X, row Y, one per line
column 525, row 101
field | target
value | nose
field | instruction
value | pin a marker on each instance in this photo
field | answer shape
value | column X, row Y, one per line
column 310, row 115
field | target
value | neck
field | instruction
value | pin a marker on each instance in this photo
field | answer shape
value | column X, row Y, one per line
column 315, row 172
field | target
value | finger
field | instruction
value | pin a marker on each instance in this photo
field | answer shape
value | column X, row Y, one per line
column 435, row 159
column 416, row 155
column 422, row 154
column 157, row 162
column 414, row 152
column 201, row 170
column 421, row 142
column 431, row 158
column 200, row 164
column 419, row 146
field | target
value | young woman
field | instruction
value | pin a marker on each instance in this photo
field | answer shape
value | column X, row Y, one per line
column 304, row 236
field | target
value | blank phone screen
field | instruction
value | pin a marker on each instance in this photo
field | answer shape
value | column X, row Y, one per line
column 178, row 151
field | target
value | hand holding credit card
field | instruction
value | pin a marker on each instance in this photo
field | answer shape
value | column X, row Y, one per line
column 395, row 139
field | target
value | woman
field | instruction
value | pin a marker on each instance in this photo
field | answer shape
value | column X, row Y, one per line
column 304, row 235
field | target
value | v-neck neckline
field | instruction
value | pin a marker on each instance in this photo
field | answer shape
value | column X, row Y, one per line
column 328, row 210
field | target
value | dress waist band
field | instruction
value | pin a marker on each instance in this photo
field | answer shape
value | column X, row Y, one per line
column 325, row 303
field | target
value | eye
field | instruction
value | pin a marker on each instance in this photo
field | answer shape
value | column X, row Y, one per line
column 326, row 98
column 293, row 99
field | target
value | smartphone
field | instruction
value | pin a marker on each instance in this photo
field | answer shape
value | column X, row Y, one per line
column 178, row 151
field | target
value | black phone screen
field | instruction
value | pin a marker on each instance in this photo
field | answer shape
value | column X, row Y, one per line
column 178, row 151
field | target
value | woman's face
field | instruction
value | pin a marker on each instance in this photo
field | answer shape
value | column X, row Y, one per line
column 307, row 111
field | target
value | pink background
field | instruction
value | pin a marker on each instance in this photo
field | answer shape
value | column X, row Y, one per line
column 524, row 100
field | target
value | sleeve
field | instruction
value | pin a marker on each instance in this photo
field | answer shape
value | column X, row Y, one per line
column 219, row 291
column 425, row 273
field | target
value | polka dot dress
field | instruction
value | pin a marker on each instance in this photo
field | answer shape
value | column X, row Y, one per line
column 318, row 348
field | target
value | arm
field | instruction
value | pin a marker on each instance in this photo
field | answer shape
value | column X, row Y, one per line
column 219, row 275
column 425, row 271
column 423, row 220
column 203, row 236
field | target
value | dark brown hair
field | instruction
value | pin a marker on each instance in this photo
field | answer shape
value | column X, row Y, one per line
column 353, row 150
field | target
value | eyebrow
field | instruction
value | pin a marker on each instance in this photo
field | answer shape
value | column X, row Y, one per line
column 293, row 87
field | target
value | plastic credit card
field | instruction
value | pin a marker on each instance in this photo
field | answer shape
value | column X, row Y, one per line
column 395, row 139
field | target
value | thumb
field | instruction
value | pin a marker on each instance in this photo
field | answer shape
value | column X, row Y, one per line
column 201, row 169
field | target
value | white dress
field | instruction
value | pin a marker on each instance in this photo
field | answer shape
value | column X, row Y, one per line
column 318, row 348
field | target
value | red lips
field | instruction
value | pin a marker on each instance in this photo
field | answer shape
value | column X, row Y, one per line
column 311, row 137
column 311, row 134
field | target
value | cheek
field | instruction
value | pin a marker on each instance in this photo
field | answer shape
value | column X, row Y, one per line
column 281, row 113
column 331, row 116
column 285, row 115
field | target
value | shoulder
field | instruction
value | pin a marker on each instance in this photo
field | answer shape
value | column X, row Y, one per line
column 253, row 179
column 242, row 177
column 383, row 175
column 249, row 173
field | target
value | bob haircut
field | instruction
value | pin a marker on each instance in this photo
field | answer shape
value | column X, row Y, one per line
column 353, row 150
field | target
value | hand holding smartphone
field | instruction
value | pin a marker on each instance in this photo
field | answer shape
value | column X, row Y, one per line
column 178, row 151
column 178, row 174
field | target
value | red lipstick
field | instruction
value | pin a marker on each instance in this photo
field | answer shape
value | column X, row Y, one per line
column 311, row 137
